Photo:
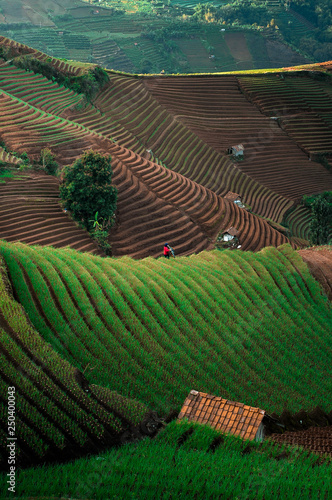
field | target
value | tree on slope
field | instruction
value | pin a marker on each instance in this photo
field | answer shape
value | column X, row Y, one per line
column 321, row 217
column 87, row 190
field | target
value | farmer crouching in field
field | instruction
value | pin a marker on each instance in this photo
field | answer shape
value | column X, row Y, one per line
column 168, row 250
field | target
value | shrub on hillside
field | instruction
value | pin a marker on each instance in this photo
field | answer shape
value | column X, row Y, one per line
column 321, row 217
column 88, row 193
column 89, row 83
column 47, row 161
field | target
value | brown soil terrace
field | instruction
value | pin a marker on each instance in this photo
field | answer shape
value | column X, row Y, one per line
column 184, row 123
column 319, row 260
column 315, row 439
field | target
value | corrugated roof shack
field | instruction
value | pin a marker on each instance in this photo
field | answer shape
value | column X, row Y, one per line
column 237, row 151
column 224, row 415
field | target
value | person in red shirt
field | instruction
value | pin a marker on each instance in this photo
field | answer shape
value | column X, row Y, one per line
column 167, row 250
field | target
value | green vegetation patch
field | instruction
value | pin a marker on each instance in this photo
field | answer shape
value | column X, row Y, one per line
column 185, row 461
column 58, row 416
column 249, row 327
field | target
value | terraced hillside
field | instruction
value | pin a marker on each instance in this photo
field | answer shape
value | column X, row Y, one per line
column 58, row 415
column 30, row 212
column 216, row 111
column 168, row 138
column 252, row 327
column 302, row 104
column 155, row 204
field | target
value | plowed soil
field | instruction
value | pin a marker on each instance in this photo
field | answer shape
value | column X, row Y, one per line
column 168, row 140
column 316, row 439
column 319, row 261
column 30, row 212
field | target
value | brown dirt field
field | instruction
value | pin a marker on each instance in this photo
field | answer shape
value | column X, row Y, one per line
column 216, row 111
column 319, row 260
column 315, row 439
column 30, row 212
column 181, row 204
column 237, row 45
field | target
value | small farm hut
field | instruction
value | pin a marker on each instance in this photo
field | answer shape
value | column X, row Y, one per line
column 234, row 197
column 225, row 416
column 230, row 234
column 237, row 150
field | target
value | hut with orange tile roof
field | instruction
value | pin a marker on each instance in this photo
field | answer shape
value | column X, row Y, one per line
column 224, row 415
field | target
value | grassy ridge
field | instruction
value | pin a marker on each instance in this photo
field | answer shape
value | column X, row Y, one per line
column 250, row 327
column 56, row 415
column 183, row 463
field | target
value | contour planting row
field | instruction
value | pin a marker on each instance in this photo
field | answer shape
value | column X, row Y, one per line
column 301, row 103
column 217, row 112
column 26, row 128
column 298, row 221
column 252, row 327
column 128, row 101
column 55, row 415
column 208, row 210
column 36, row 90
column 30, row 212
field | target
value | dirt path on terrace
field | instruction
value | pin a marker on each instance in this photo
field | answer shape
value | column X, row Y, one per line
column 319, row 260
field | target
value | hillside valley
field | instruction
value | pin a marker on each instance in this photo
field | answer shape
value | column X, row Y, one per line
column 151, row 36
column 100, row 351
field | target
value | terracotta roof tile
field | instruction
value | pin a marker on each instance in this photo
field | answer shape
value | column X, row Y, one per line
column 221, row 414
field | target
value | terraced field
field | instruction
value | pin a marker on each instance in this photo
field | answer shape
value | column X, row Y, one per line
column 58, row 414
column 155, row 204
column 179, row 148
column 252, row 327
column 30, row 212
column 217, row 112
column 302, row 104
column 168, row 138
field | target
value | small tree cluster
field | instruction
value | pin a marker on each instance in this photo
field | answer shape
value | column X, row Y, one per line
column 88, row 83
column 321, row 217
column 88, row 193
column 47, row 161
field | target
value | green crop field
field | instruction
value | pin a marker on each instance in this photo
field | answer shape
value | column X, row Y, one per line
column 151, row 36
column 252, row 327
column 249, row 327
column 184, row 461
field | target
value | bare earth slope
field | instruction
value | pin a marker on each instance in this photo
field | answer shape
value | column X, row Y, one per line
column 30, row 212
column 215, row 109
column 319, row 260
column 167, row 138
